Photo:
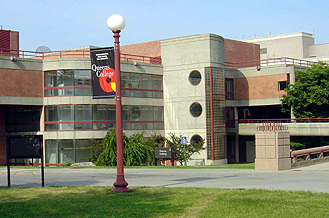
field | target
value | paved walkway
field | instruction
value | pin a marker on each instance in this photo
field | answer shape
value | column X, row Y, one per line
column 312, row 178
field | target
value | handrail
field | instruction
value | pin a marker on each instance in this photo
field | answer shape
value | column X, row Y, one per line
column 83, row 53
column 285, row 120
column 305, row 154
column 269, row 62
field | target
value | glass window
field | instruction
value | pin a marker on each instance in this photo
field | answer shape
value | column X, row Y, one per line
column 135, row 113
column 82, row 91
column 135, row 80
column 282, row 85
column 51, row 152
column 196, row 138
column 51, row 113
column 195, row 109
column 146, row 81
column 158, row 126
column 157, row 82
column 229, row 89
column 147, row 94
column 195, row 77
column 65, row 112
column 111, row 115
column 147, row 113
column 157, row 94
column 99, row 112
column 158, row 114
column 65, row 151
column 51, row 79
column 83, row 113
column 83, row 150
column 136, row 93
column 82, row 78
column 126, row 113
column 65, row 78
column 125, row 82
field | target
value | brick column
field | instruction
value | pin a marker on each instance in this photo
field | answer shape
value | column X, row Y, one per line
column 272, row 151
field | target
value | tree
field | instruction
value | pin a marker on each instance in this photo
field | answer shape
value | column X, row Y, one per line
column 309, row 96
column 155, row 140
column 179, row 151
column 135, row 152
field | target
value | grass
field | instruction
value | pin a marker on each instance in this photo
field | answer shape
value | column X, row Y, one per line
column 225, row 166
column 160, row 202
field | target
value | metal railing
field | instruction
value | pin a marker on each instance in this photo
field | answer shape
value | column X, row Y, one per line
column 286, row 120
column 310, row 153
column 269, row 62
column 84, row 53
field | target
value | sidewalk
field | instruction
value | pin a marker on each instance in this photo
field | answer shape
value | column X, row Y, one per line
column 312, row 178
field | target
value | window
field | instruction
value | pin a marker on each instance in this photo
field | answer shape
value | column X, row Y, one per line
column 195, row 77
column 196, row 139
column 101, row 117
column 229, row 89
column 283, row 85
column 195, row 109
column 67, row 82
column 263, row 50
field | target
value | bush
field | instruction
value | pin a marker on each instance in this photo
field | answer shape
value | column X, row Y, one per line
column 296, row 146
column 135, row 152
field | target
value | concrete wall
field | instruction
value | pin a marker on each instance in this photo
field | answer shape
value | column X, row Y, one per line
column 180, row 57
column 272, row 151
column 293, row 45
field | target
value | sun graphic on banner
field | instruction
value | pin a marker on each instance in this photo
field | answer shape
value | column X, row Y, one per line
column 107, row 80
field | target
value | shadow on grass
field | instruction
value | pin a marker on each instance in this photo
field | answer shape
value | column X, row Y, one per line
column 88, row 202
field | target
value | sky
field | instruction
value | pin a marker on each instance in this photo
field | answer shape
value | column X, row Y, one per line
column 65, row 24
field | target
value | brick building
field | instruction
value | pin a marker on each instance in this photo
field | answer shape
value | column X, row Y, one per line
column 200, row 86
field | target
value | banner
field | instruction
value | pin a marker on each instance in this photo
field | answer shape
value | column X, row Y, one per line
column 102, row 72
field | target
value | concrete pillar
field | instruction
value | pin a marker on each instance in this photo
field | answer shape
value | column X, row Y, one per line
column 272, row 151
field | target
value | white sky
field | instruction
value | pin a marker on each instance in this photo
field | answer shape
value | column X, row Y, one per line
column 64, row 24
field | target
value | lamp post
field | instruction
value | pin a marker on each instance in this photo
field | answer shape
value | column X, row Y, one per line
column 116, row 23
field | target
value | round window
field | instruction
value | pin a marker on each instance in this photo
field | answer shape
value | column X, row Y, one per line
column 195, row 77
column 195, row 109
column 196, row 139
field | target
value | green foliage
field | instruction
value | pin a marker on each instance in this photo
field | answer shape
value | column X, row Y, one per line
column 135, row 152
column 309, row 96
column 155, row 140
column 296, row 146
column 179, row 151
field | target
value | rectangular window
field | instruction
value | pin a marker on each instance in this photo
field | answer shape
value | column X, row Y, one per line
column 263, row 50
column 229, row 89
column 157, row 82
column 282, row 85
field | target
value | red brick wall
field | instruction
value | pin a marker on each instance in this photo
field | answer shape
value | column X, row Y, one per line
column 14, row 40
column 239, row 52
column 21, row 83
column 258, row 87
column 148, row 49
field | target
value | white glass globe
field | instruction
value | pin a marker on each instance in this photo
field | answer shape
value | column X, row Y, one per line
column 116, row 22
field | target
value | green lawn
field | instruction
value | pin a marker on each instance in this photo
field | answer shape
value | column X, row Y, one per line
column 160, row 202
